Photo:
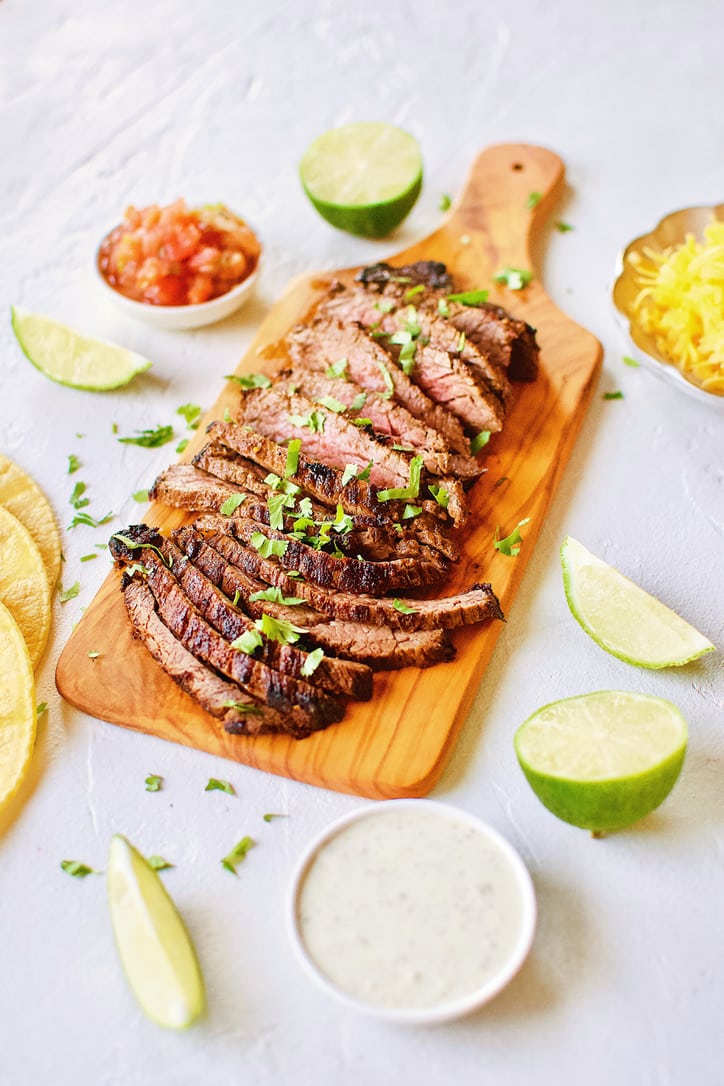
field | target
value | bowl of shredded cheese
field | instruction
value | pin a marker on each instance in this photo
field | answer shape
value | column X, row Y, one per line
column 669, row 296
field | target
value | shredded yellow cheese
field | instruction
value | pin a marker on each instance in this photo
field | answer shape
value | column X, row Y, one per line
column 681, row 304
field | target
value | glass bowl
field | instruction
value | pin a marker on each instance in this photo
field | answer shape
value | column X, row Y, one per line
column 671, row 230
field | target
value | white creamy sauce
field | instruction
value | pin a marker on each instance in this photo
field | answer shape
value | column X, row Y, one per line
column 410, row 908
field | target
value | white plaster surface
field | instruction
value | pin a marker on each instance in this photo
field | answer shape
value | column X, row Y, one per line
column 102, row 104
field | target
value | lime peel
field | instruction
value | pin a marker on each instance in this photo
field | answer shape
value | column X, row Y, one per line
column 71, row 358
column 604, row 760
column 621, row 617
column 154, row 946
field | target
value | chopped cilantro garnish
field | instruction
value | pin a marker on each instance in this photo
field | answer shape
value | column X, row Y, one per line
column 443, row 308
column 292, row 457
column 247, row 642
column 93, row 655
column 153, row 783
column 275, row 595
column 182, row 445
column 276, row 504
column 413, row 291
column 191, row 413
column 460, row 345
column 401, row 338
column 314, row 421
column 305, row 507
column 40, row 708
column 629, row 361
column 389, row 384
column 157, row 863
column 243, row 707
column 334, row 405
column 514, row 278
column 617, row 395
column 73, row 463
column 358, row 402
column 237, row 597
column 337, row 369
column 86, row 518
column 249, row 380
column 149, row 439
column 66, row 594
column 385, row 305
column 88, row 557
column 564, row 227
column 268, row 547
column 134, row 545
column 311, row 664
column 237, row 854
column 479, row 442
column 534, row 198
column 440, row 495
column 403, row 608
column 361, row 421
column 445, row 202
column 227, row 415
column 278, row 629
column 216, row 785
column 510, row 546
column 469, row 297
column 76, row 498
column 411, row 511
column 140, row 496
column 231, row 504
column 411, row 490
column 271, row 815
column 76, row 868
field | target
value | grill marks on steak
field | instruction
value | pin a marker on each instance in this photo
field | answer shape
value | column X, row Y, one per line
column 220, row 698
column 380, row 647
column 309, row 708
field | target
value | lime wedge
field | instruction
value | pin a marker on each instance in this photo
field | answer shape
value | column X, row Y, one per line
column 17, row 707
column 70, row 358
column 622, row 618
column 363, row 178
column 155, row 949
column 602, row 761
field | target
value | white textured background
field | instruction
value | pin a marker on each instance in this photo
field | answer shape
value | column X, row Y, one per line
column 102, row 104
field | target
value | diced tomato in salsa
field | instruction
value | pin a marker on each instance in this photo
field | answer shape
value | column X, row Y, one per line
column 177, row 255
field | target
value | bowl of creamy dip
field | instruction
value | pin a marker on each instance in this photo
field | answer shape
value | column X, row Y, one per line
column 411, row 910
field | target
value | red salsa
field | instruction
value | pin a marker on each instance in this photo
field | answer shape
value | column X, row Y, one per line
column 177, row 255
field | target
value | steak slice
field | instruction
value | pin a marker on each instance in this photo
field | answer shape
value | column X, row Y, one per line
column 224, row 700
column 183, row 486
column 379, row 647
column 325, row 484
column 478, row 604
column 309, row 708
column 334, row 571
column 509, row 343
column 225, row 464
column 316, row 347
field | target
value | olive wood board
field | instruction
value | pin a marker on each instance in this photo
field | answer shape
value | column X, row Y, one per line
column 398, row 743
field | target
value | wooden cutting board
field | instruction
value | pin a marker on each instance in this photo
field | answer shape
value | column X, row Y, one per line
column 397, row 744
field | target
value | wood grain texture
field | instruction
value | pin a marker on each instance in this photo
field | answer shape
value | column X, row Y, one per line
column 396, row 745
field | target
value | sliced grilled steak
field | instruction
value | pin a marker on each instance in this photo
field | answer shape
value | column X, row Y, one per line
column 309, row 708
column 438, row 368
column 325, row 484
column 508, row 343
column 224, row 700
column 326, row 342
column 224, row 463
column 381, row 648
column 183, row 486
column 334, row 571
column 478, row 604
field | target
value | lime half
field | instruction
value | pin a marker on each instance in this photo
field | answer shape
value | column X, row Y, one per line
column 363, row 178
column 622, row 618
column 602, row 761
column 70, row 358
column 155, row 949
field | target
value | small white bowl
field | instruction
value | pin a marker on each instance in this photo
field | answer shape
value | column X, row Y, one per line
column 516, row 942
column 176, row 318
column 671, row 230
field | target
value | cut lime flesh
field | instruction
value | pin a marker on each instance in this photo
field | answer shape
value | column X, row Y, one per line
column 153, row 944
column 363, row 178
column 71, row 358
column 621, row 617
column 602, row 761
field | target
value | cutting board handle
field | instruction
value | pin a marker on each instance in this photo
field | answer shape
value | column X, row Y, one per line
column 494, row 202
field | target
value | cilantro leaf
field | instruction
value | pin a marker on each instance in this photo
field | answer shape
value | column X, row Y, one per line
column 157, row 863
column 140, row 496
column 86, row 518
column 216, row 785
column 411, row 490
column 73, row 463
column 617, row 395
column 134, row 545
column 76, row 868
column 246, row 707
column 333, row 404
column 275, row 595
column 237, row 854
column 249, row 380
column 337, row 369
column 440, row 495
column 278, row 629
column 389, row 384
column 40, row 708
column 403, row 608
column 564, row 227
column 445, row 202
column 292, row 457
column 468, row 297
column 76, row 499
column 413, row 291
column 411, row 511
column 231, row 504
column 312, row 662
column 66, row 594
column 191, row 413
column 514, row 278
column 248, row 642
column 510, row 546
column 93, row 655
column 314, row 421
column 479, row 442
column 361, row 421
column 182, row 445
column 534, row 198
column 268, row 547
column 629, row 361
column 149, row 439
column 443, row 308
column 271, row 815
column 153, row 783
column 88, row 557
column 385, row 305
column 358, row 402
